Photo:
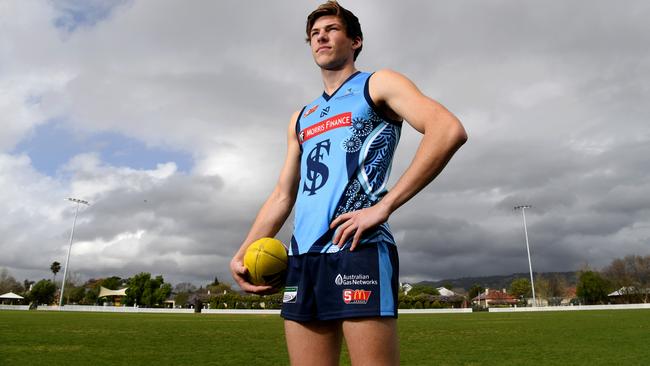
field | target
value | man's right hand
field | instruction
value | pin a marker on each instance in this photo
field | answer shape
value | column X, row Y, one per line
column 240, row 274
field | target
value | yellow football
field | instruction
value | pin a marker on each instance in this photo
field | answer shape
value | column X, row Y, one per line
column 266, row 261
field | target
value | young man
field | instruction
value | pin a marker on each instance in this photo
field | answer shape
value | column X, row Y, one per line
column 342, row 276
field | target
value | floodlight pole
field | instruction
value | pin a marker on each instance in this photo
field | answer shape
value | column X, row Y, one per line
column 530, row 267
column 65, row 270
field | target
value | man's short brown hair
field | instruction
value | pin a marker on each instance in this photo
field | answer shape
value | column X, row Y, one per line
column 350, row 21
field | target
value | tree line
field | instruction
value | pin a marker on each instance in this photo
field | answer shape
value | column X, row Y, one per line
column 142, row 289
column 629, row 275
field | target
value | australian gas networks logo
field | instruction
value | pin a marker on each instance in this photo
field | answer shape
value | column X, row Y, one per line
column 354, row 280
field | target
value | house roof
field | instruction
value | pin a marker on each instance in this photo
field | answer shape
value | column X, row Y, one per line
column 11, row 295
column 494, row 295
column 631, row 290
column 570, row 292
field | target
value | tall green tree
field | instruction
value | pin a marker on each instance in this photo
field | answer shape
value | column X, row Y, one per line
column 91, row 295
column 592, row 288
column 75, row 295
column 55, row 267
column 162, row 293
column 112, row 283
column 181, row 298
column 146, row 291
column 419, row 289
column 137, row 285
column 520, row 288
column 43, row 292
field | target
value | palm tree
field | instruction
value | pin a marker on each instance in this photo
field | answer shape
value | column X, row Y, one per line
column 55, row 268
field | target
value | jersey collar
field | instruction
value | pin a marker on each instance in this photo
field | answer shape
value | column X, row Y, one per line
column 328, row 97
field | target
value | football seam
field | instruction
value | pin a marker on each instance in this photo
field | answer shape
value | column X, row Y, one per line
column 271, row 255
column 257, row 259
column 280, row 259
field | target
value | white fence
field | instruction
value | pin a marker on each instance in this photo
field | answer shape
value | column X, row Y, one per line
column 277, row 312
column 114, row 309
column 571, row 308
column 239, row 311
column 14, row 307
column 123, row 309
column 434, row 311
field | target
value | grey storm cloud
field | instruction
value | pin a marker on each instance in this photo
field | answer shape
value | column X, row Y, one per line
column 553, row 95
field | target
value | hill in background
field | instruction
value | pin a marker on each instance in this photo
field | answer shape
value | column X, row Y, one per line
column 501, row 281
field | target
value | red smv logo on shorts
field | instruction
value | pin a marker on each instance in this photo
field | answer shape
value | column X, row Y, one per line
column 356, row 296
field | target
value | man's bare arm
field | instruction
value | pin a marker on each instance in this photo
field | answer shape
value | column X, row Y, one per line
column 274, row 211
column 443, row 135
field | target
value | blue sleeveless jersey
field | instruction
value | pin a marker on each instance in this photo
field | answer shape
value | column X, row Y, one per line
column 347, row 149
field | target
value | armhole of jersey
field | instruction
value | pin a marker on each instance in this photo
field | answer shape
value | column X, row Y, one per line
column 298, row 127
column 371, row 103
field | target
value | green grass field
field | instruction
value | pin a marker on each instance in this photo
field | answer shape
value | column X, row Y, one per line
column 620, row 337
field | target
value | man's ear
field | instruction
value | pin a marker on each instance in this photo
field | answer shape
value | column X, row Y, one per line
column 357, row 43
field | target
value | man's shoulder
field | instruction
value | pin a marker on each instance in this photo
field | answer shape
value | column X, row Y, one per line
column 386, row 76
column 386, row 83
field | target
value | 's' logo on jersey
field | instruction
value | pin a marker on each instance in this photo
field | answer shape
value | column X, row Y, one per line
column 317, row 172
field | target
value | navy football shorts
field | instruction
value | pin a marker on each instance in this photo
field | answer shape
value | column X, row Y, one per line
column 361, row 283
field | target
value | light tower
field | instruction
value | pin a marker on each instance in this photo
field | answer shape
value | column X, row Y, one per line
column 530, row 266
column 65, row 271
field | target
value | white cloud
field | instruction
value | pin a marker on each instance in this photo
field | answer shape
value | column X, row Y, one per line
column 537, row 93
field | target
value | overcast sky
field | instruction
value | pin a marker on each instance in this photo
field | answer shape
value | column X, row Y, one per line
column 169, row 117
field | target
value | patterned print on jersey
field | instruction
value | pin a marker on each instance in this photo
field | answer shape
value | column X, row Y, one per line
column 354, row 199
column 351, row 144
column 361, row 126
column 377, row 155
column 378, row 159
column 350, row 174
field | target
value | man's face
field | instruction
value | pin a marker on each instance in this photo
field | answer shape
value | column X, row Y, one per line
column 330, row 46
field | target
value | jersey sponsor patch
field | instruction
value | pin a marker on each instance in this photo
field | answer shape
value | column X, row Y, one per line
column 355, row 280
column 290, row 295
column 310, row 111
column 356, row 296
column 338, row 121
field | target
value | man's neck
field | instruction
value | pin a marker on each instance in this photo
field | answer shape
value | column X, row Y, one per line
column 333, row 79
